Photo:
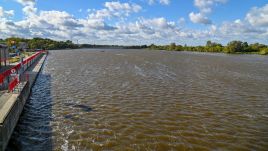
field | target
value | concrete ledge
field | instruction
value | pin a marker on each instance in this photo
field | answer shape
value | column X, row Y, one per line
column 13, row 104
column 6, row 108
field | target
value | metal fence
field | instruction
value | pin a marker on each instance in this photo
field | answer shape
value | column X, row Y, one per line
column 11, row 78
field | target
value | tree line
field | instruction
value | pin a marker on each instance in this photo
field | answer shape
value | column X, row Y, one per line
column 231, row 47
column 39, row 43
column 48, row 44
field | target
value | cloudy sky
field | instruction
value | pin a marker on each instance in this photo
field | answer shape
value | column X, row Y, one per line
column 190, row 22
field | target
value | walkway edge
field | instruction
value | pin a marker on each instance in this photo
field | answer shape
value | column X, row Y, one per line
column 10, row 113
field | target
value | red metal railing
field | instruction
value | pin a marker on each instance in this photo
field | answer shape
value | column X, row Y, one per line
column 13, row 84
column 6, row 73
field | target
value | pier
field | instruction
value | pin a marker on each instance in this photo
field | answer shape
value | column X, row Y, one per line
column 18, row 89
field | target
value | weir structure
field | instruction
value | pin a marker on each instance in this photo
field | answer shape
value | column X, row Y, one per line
column 17, row 88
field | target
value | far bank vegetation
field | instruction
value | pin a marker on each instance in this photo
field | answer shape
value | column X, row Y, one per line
column 238, row 47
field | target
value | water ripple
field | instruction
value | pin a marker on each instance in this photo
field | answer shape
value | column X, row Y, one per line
column 147, row 100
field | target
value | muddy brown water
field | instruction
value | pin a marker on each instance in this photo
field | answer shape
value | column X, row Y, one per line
column 146, row 100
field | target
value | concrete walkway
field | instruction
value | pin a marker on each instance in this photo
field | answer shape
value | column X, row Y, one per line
column 7, row 98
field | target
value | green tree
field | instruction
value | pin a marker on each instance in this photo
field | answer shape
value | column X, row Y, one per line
column 234, row 46
column 172, row 46
column 209, row 43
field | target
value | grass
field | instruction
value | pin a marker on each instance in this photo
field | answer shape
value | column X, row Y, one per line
column 17, row 59
column 14, row 59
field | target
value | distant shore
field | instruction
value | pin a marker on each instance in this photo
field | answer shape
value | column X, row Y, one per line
column 234, row 53
column 233, row 47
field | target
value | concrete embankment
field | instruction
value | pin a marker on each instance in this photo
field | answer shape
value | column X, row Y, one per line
column 12, row 104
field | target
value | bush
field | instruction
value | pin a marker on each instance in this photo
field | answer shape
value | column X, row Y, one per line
column 228, row 50
column 264, row 51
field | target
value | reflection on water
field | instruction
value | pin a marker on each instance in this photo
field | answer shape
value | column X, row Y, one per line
column 147, row 100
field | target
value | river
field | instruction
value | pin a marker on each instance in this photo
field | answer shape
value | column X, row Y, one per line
column 108, row 99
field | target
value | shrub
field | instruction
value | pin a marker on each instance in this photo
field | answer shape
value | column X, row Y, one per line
column 264, row 51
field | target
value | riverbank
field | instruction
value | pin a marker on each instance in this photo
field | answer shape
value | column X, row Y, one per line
column 235, row 53
column 233, row 47
column 12, row 103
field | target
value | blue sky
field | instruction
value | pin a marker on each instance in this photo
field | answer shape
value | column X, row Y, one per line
column 191, row 22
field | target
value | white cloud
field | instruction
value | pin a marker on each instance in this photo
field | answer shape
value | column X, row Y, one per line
column 10, row 13
column 160, row 23
column 29, row 6
column 205, row 8
column 213, row 29
column 163, row 2
column 199, row 18
column 115, row 9
column 252, row 28
column 1, row 11
column 6, row 13
column 239, row 28
column 29, row 10
column 181, row 21
column 101, row 14
column 26, row 2
column 233, row 30
column 258, row 16
column 147, row 31
column 61, row 25
column 106, row 26
column 117, row 6
column 47, row 24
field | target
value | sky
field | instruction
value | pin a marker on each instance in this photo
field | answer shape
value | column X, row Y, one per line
column 136, row 22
